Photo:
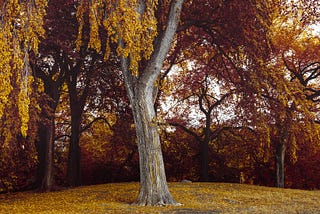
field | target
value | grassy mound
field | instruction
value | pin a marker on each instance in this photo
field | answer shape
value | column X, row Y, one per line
column 195, row 197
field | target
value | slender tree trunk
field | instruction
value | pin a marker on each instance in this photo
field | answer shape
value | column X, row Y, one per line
column 280, row 155
column 74, row 158
column 41, row 146
column 47, row 183
column 204, row 148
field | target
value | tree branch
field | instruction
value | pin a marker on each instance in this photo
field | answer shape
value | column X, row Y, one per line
column 162, row 45
column 185, row 129
column 86, row 127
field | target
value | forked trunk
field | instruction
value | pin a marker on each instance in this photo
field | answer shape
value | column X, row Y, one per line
column 280, row 155
column 153, row 185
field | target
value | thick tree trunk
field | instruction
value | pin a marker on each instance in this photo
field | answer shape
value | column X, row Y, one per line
column 153, row 184
column 280, row 155
column 74, row 158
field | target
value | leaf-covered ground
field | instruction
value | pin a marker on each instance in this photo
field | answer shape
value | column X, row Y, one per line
column 195, row 197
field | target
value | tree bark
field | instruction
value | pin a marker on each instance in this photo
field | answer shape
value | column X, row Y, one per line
column 204, row 161
column 41, row 147
column 280, row 156
column 45, row 147
column 153, row 185
column 77, row 102
column 204, row 146
column 48, row 183
column 74, row 158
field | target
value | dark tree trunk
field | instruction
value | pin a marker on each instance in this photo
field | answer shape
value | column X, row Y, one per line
column 204, row 147
column 78, row 99
column 204, row 161
column 45, row 146
column 47, row 181
column 41, row 146
column 74, row 158
column 280, row 156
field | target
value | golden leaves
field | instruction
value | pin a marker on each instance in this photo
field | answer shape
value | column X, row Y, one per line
column 118, row 198
column 5, row 72
column 94, row 40
column 129, row 25
column 20, row 31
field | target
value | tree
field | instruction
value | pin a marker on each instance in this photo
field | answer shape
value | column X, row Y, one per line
column 134, row 37
column 218, row 46
column 47, row 68
column 21, row 28
column 197, row 91
column 290, row 98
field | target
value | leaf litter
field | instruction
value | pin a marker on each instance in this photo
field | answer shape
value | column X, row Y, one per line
column 195, row 198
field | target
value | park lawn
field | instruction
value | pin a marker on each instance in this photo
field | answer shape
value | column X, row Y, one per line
column 195, row 198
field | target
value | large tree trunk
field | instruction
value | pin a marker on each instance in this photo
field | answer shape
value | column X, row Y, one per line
column 153, row 184
column 280, row 155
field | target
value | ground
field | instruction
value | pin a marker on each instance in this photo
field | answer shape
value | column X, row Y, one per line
column 195, row 198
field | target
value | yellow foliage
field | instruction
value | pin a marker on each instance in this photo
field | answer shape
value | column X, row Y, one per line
column 20, row 31
column 5, row 71
column 96, row 140
column 133, row 30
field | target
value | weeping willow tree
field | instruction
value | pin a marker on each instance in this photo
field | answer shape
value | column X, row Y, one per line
column 132, row 28
column 20, row 32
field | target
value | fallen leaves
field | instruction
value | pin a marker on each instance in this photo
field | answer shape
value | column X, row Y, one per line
column 195, row 197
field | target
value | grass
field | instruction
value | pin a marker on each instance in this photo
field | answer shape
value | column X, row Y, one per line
column 195, row 197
